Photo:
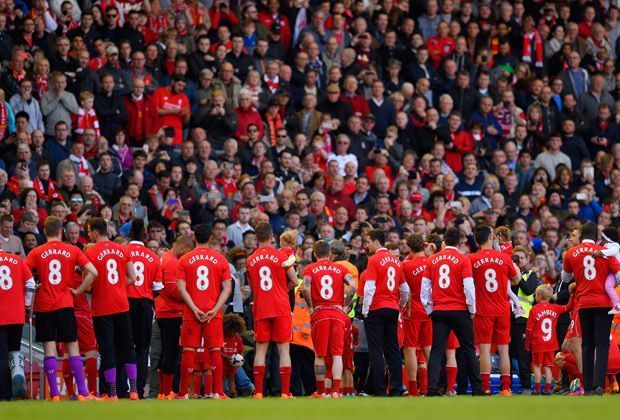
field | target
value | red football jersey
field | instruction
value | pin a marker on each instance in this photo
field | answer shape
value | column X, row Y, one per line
column 169, row 303
column 491, row 270
column 55, row 264
column 14, row 273
column 413, row 270
column 590, row 274
column 269, row 283
column 385, row 269
column 109, row 295
column 541, row 324
column 232, row 345
column 327, row 282
column 81, row 306
column 147, row 266
column 447, row 270
column 204, row 271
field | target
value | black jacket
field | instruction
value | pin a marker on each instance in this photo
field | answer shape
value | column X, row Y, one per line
column 111, row 113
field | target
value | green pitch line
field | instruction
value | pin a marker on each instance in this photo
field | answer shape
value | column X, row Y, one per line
column 458, row 408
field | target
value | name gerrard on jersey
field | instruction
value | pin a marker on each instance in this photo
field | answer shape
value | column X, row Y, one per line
column 546, row 312
column 583, row 249
column 52, row 252
column 326, row 268
column 492, row 260
column 141, row 254
column 263, row 257
column 444, row 257
column 7, row 259
column 201, row 257
column 419, row 270
column 389, row 259
column 107, row 252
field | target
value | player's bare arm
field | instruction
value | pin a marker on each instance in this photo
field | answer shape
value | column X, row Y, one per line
column 89, row 276
column 182, row 286
column 221, row 300
column 517, row 278
column 293, row 281
column 131, row 274
column 306, row 292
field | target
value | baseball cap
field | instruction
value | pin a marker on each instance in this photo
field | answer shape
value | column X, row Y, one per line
column 111, row 49
column 416, row 196
column 369, row 116
column 507, row 68
column 275, row 28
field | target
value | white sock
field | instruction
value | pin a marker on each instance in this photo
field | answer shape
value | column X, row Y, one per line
column 17, row 364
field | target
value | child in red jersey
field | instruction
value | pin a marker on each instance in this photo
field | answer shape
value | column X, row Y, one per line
column 351, row 340
column 503, row 238
column 541, row 338
column 288, row 243
column 202, row 370
column 234, row 326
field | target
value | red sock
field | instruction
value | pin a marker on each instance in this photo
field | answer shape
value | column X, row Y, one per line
column 320, row 387
column 505, row 380
column 197, row 383
column 217, row 371
column 423, row 380
column 347, row 390
column 537, row 387
column 259, row 378
column 91, row 374
column 547, row 387
column 412, row 388
column 285, row 378
column 451, row 377
column 160, row 377
column 208, row 384
column 68, row 377
column 486, row 381
column 336, row 385
column 187, row 369
column 166, row 381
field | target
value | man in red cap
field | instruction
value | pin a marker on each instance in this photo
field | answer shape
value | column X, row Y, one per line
column 418, row 209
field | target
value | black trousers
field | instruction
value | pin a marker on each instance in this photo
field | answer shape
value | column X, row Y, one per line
column 518, row 352
column 595, row 325
column 141, row 315
column 170, row 330
column 115, row 340
column 302, row 378
column 361, row 361
column 10, row 341
column 381, row 327
column 461, row 323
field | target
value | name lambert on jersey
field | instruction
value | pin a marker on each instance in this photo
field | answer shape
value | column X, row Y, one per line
column 107, row 252
column 484, row 261
column 583, row 249
column 52, row 252
column 141, row 254
column 546, row 312
column 445, row 257
column 319, row 268
column 389, row 259
column 201, row 257
column 263, row 257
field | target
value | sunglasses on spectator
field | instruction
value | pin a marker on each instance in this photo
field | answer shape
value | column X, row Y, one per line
column 112, row 16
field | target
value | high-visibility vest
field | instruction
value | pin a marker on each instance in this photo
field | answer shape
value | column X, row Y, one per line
column 615, row 326
column 527, row 301
column 302, row 330
column 355, row 273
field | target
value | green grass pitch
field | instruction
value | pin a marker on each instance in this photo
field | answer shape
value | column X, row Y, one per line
column 457, row 408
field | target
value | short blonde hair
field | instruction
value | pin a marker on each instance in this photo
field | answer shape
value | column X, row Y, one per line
column 289, row 238
column 86, row 95
column 545, row 292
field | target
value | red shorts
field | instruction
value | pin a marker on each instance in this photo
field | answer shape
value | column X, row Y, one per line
column 86, row 334
column 193, row 333
column 453, row 342
column 278, row 329
column 229, row 369
column 543, row 358
column 328, row 332
column 418, row 333
column 492, row 329
column 574, row 329
column 202, row 359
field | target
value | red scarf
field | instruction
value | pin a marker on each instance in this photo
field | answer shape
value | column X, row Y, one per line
column 4, row 118
column 42, row 84
column 40, row 188
column 272, row 84
column 274, row 124
column 537, row 45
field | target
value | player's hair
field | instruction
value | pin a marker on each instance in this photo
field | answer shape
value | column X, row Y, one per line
column 452, row 237
column 482, row 233
column 233, row 323
column 415, row 242
column 52, row 227
column 503, row 232
column 435, row 240
column 202, row 233
column 545, row 292
column 321, row 249
column 377, row 235
column 289, row 238
column 99, row 226
column 120, row 240
column 137, row 232
column 391, row 246
column 264, row 232
column 589, row 230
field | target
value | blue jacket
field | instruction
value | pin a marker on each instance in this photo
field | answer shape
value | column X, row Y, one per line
column 590, row 211
column 488, row 120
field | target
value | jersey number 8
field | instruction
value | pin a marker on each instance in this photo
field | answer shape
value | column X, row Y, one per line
column 589, row 270
column 202, row 278
column 444, row 276
column 139, row 269
column 54, row 276
column 5, row 278
column 491, row 280
column 266, row 283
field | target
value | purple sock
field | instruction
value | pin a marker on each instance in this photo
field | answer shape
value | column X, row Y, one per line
column 77, row 369
column 110, row 378
column 49, row 364
column 132, row 375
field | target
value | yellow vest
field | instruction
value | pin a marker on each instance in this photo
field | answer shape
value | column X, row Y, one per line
column 355, row 273
column 302, row 330
column 526, row 300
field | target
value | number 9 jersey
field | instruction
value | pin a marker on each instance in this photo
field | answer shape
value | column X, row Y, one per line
column 203, row 271
column 269, row 283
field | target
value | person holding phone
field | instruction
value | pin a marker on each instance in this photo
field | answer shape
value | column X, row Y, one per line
column 172, row 107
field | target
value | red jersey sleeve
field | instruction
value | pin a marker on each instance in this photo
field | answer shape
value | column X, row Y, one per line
column 466, row 270
column 566, row 264
column 81, row 258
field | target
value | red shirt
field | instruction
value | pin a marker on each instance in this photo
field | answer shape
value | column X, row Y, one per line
column 203, row 271
column 540, row 333
column 232, row 345
column 438, row 48
column 414, row 272
column 109, row 295
column 446, row 270
column 492, row 270
column 14, row 273
column 147, row 267
column 163, row 98
column 269, row 283
column 81, row 306
column 590, row 274
column 384, row 268
column 55, row 263
column 327, row 282
column 169, row 303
